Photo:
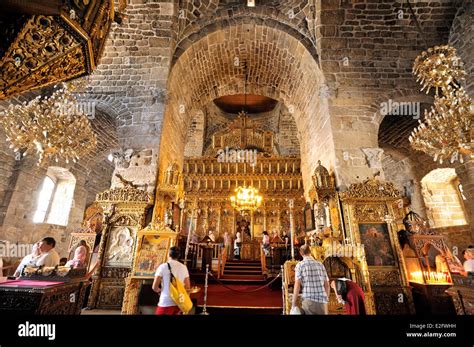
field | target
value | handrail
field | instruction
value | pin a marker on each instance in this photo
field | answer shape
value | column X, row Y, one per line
column 263, row 260
column 219, row 261
column 224, row 257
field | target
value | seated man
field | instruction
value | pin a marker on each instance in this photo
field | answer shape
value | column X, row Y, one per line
column 49, row 256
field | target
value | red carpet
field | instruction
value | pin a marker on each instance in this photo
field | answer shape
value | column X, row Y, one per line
column 220, row 296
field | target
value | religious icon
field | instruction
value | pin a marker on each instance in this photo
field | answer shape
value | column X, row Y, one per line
column 153, row 251
column 120, row 247
column 378, row 248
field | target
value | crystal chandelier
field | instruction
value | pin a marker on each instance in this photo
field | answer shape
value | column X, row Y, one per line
column 54, row 126
column 446, row 132
column 246, row 199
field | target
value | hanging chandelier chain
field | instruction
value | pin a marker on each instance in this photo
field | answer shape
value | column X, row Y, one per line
column 417, row 23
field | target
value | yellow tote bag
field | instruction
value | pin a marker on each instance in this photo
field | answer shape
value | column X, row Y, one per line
column 179, row 294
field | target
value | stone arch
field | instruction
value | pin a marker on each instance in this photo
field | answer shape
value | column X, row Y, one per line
column 278, row 66
column 109, row 105
column 198, row 31
column 399, row 96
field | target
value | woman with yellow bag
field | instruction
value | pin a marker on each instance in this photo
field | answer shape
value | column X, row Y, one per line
column 173, row 277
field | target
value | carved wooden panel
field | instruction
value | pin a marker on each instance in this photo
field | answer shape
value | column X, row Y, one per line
column 51, row 49
column 111, row 294
column 370, row 212
column 384, row 277
column 393, row 301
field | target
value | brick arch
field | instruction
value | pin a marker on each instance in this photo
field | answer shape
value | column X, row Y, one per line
column 279, row 67
column 399, row 95
column 221, row 21
column 108, row 104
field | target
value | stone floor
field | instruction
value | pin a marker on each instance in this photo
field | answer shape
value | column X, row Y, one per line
column 100, row 312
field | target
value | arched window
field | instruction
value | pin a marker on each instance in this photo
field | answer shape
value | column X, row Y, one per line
column 44, row 199
column 443, row 198
column 56, row 197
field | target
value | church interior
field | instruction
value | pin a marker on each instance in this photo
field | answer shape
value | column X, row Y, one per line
column 240, row 132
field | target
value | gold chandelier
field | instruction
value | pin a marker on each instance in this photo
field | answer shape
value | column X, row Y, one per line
column 246, row 199
column 54, row 126
column 439, row 67
column 446, row 132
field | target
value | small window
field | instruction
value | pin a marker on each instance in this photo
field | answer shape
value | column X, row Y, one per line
column 56, row 197
column 443, row 198
column 44, row 200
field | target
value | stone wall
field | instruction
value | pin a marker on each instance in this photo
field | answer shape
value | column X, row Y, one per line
column 212, row 119
column 443, row 204
column 22, row 180
column 18, row 224
column 462, row 38
column 402, row 172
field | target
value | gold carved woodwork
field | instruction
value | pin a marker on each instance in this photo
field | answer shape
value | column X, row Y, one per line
column 371, row 204
column 130, row 297
column 371, row 189
column 370, row 212
column 242, row 133
column 51, row 49
column 288, row 284
column 165, row 238
column 323, row 183
column 437, row 241
column 462, row 293
column 124, row 195
column 124, row 208
column 384, row 277
column 93, row 216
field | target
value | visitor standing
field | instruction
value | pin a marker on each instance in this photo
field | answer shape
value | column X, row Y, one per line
column 266, row 243
column 166, row 305
column 311, row 275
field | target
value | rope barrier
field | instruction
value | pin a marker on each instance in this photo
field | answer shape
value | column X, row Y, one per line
column 246, row 291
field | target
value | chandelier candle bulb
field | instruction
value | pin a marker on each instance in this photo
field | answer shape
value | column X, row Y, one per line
column 43, row 124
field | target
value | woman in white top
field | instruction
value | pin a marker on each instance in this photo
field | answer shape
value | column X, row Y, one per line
column 30, row 259
column 237, row 245
column 266, row 243
column 469, row 263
